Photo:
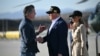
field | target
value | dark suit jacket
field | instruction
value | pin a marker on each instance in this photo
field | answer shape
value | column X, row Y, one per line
column 28, row 36
column 57, row 39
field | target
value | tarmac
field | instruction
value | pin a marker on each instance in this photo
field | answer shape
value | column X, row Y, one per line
column 12, row 47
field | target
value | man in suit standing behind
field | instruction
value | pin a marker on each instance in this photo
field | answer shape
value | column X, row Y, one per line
column 27, row 31
column 56, row 37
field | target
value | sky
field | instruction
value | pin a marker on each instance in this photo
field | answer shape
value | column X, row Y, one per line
column 16, row 5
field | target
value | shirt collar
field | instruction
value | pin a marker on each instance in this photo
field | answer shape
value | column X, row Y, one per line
column 55, row 19
column 26, row 19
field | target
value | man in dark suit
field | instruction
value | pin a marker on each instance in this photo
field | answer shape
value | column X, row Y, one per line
column 56, row 37
column 27, row 32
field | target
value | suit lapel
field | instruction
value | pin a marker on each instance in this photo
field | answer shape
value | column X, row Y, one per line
column 54, row 26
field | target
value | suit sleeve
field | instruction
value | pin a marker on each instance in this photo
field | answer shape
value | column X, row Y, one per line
column 44, row 39
column 29, row 36
column 62, row 36
column 37, row 33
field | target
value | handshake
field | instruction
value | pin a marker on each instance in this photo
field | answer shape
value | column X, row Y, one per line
column 39, row 39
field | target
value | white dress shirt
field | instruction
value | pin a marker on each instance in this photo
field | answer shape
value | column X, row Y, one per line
column 53, row 22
